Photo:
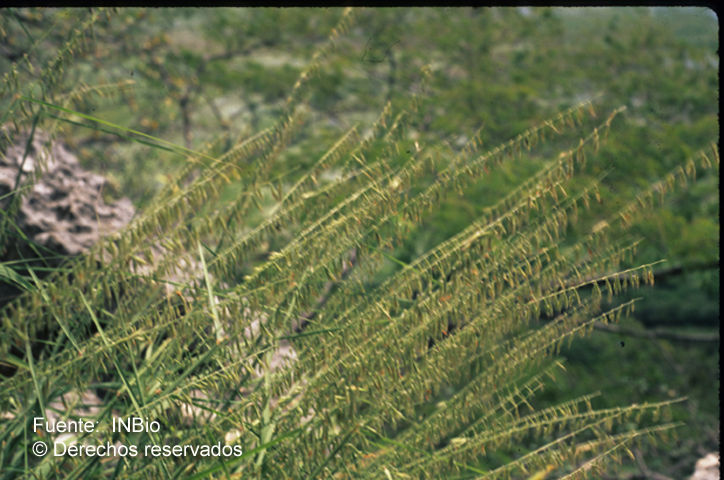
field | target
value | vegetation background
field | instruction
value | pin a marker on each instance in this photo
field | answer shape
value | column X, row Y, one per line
column 192, row 76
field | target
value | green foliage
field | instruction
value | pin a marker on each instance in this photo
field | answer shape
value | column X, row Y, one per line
column 423, row 218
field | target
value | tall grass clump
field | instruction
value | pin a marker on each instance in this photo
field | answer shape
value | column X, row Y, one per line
column 260, row 298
